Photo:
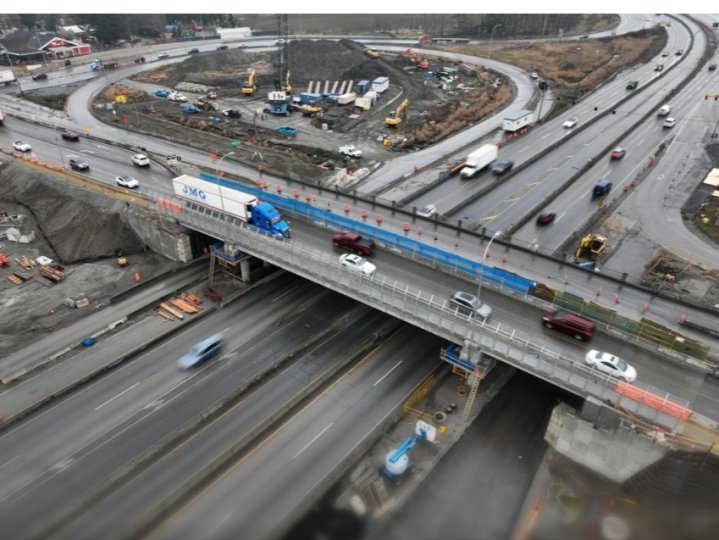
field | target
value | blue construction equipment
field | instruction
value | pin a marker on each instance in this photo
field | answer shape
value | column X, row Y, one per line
column 397, row 461
column 190, row 109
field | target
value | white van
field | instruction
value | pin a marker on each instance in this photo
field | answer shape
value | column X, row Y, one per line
column 664, row 111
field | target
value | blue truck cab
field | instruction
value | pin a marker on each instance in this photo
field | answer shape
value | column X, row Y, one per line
column 201, row 352
column 266, row 217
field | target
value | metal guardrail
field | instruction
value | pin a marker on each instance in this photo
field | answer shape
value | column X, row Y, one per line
column 415, row 307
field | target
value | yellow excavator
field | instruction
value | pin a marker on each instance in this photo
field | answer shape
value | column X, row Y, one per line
column 395, row 118
column 250, row 85
column 591, row 246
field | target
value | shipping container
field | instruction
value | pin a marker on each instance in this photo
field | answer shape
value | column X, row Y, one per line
column 362, row 87
column 344, row 99
column 380, row 84
column 363, row 103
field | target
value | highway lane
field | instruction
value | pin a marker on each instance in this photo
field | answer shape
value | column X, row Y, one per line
column 132, row 417
column 266, row 486
column 142, row 500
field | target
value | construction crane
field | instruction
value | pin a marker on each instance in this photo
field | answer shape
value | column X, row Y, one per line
column 395, row 118
column 250, row 85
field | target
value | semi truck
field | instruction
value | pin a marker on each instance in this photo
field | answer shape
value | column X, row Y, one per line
column 479, row 159
column 227, row 198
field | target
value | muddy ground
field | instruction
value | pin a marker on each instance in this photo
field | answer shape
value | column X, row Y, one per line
column 82, row 230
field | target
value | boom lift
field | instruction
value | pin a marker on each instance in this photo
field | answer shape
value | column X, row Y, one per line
column 397, row 461
column 420, row 62
column 395, row 118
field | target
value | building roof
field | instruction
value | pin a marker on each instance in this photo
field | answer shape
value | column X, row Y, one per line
column 24, row 42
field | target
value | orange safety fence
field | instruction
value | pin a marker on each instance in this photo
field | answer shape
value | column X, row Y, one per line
column 654, row 401
column 169, row 204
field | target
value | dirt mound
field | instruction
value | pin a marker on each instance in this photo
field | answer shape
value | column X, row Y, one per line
column 79, row 226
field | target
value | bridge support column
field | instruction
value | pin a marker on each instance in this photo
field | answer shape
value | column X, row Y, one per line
column 245, row 271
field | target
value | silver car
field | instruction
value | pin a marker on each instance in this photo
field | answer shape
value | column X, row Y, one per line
column 469, row 304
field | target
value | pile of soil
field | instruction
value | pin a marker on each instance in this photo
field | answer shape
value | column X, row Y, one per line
column 78, row 225
column 80, row 229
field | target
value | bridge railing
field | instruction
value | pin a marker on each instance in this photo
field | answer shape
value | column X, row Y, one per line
column 420, row 309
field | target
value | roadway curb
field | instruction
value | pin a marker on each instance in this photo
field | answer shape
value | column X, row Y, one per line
column 96, row 373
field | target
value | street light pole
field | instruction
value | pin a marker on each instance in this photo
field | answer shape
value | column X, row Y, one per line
column 217, row 175
column 491, row 37
column 484, row 258
column 59, row 148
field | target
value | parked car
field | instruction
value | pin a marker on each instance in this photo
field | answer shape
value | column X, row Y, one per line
column 242, row 45
column 665, row 54
column 534, row 75
column 73, row 136
column 286, row 130
column 613, row 365
column 21, row 146
column 570, row 123
column 618, row 153
column 141, row 160
column 503, row 166
column 232, row 113
column 77, row 164
column 176, row 96
column 469, row 304
column 545, row 218
column 350, row 150
column 163, row 55
column 357, row 264
column 428, row 211
column 162, row 92
column 569, row 323
column 669, row 122
column 659, row 67
column 193, row 50
column 201, row 352
column 127, row 181
column 39, row 77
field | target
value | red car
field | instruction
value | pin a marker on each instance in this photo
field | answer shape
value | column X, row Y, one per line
column 545, row 218
column 618, row 153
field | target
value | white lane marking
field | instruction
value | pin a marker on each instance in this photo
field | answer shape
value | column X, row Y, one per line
column 386, row 374
column 560, row 217
column 125, row 391
column 641, row 142
column 8, row 462
column 522, row 150
column 547, row 135
column 305, row 447
column 282, row 295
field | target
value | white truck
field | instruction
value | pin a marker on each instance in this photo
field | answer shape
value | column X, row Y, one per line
column 479, row 159
column 518, row 120
column 7, row 77
column 2, row 118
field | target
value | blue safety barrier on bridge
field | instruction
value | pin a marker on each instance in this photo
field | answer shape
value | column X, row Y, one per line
column 381, row 236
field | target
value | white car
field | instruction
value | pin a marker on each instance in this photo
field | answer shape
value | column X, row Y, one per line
column 141, row 160
column 163, row 55
column 21, row 146
column 357, row 264
column 127, row 181
column 428, row 211
column 176, row 96
column 669, row 122
column 570, row 123
column 613, row 365
column 469, row 304
column 350, row 151
column 534, row 75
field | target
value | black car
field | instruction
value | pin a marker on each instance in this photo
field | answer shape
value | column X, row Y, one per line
column 39, row 77
column 545, row 218
column 70, row 136
column 632, row 85
column 679, row 52
column 221, row 47
column 76, row 164
column 503, row 167
column 193, row 50
column 712, row 67
column 659, row 67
